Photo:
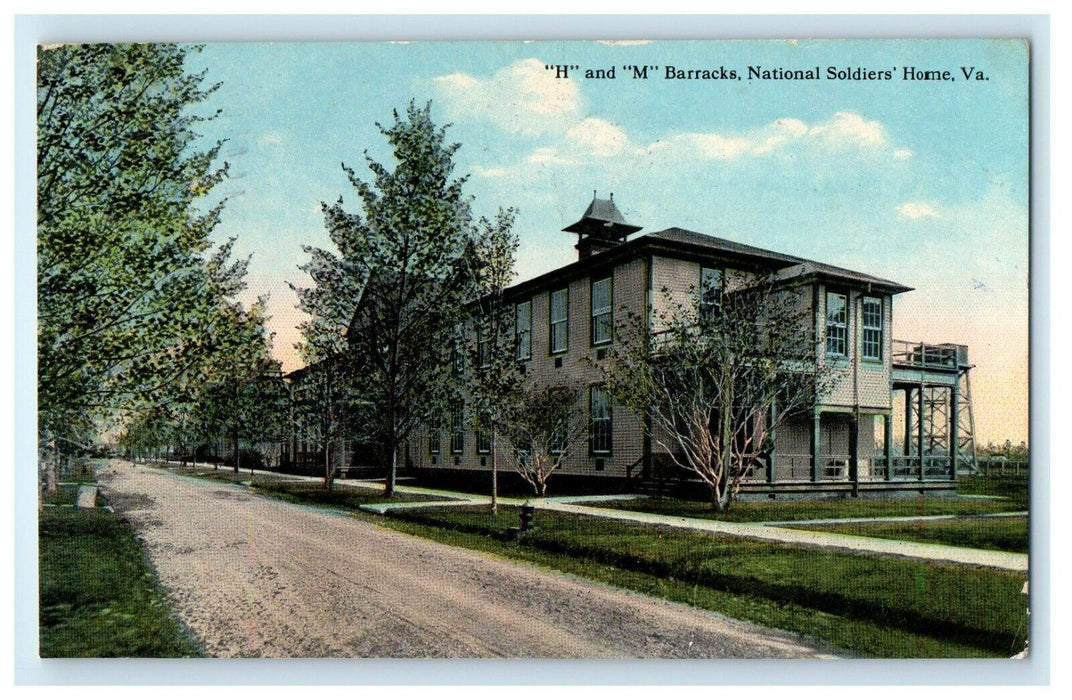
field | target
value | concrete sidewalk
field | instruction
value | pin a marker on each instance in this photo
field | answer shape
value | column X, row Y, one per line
column 766, row 532
column 891, row 519
column 1008, row 561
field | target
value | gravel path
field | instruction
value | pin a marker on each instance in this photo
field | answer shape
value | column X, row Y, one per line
column 256, row 577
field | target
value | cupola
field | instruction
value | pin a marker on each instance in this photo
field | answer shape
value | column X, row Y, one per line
column 602, row 227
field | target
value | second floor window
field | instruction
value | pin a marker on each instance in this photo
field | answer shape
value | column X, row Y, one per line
column 710, row 294
column 524, row 330
column 483, row 443
column 837, row 316
column 559, row 320
column 872, row 325
column 433, row 442
column 601, row 311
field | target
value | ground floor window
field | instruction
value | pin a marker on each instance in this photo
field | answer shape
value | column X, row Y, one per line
column 457, row 430
column 600, row 414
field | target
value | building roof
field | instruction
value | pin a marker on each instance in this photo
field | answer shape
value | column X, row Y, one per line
column 840, row 274
column 702, row 240
column 679, row 242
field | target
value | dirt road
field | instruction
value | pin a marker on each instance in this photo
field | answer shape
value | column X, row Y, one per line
column 255, row 577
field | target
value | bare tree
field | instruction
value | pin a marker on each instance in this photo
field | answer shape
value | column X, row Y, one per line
column 542, row 430
column 717, row 373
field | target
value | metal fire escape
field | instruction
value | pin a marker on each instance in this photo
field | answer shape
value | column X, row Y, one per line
column 939, row 422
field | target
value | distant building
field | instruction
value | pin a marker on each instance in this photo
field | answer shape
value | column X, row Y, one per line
column 846, row 445
column 303, row 450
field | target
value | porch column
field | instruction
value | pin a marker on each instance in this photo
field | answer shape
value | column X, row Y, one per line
column 954, row 430
column 919, row 430
column 908, row 421
column 816, row 446
column 854, row 453
column 887, row 443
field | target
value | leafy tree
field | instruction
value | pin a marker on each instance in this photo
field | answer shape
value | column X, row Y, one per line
column 717, row 374
column 325, row 409
column 543, row 428
column 147, row 432
column 411, row 254
column 323, row 398
column 495, row 380
column 242, row 397
column 128, row 287
column 234, row 394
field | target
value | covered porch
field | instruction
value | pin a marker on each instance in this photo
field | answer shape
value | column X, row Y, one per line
column 922, row 442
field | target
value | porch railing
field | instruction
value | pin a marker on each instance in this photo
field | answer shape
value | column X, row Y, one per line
column 798, row 467
column 924, row 356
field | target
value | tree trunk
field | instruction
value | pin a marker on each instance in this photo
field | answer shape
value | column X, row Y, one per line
column 328, row 475
column 52, row 473
column 237, row 454
column 392, row 475
column 494, row 476
column 718, row 488
column 721, row 494
column 716, row 500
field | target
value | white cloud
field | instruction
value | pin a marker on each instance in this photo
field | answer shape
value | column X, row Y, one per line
column 597, row 137
column 586, row 140
column 549, row 156
column 272, row 138
column 690, row 145
column 523, row 97
column 849, row 129
column 594, row 139
column 624, row 42
column 458, row 82
column 490, row 172
column 917, row 210
column 777, row 134
column 843, row 131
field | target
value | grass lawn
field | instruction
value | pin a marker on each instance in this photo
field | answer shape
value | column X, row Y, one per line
column 64, row 495
column 1014, row 487
column 863, row 605
column 871, row 605
column 341, row 496
column 1003, row 534
column 98, row 596
column 766, row 511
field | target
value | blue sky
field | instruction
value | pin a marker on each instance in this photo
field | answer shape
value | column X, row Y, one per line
column 925, row 183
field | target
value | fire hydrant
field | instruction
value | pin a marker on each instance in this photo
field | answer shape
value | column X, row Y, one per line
column 526, row 514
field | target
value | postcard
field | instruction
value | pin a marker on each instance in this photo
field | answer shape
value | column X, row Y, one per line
column 534, row 350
